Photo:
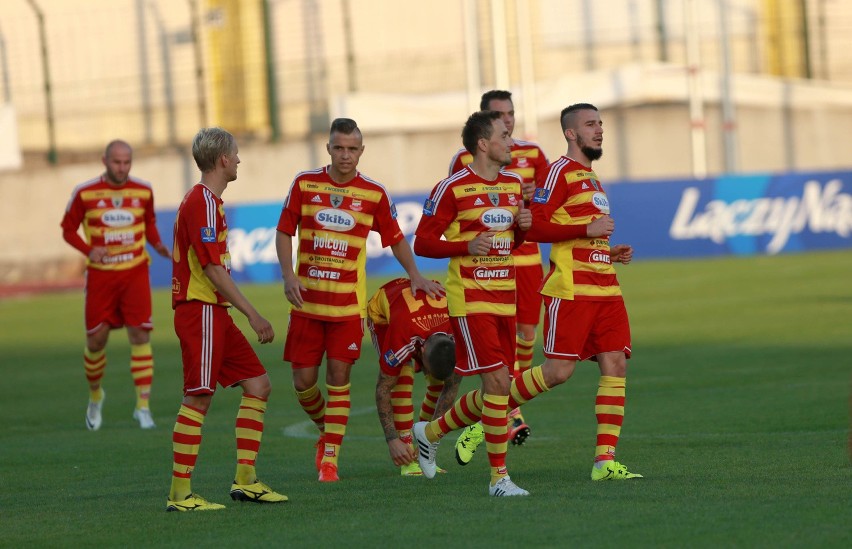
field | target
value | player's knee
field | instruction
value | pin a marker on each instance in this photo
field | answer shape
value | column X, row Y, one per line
column 557, row 372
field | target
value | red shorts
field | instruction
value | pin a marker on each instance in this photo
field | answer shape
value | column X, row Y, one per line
column 484, row 343
column 528, row 281
column 214, row 350
column 309, row 338
column 118, row 298
column 378, row 333
column 578, row 330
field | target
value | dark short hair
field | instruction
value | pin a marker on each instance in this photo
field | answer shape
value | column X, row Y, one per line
column 479, row 125
column 566, row 113
column 487, row 97
column 439, row 349
column 345, row 126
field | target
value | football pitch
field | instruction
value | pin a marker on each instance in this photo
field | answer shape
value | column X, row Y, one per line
column 738, row 415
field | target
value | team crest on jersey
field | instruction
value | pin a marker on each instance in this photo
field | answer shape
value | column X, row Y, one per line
column 356, row 205
column 135, row 203
column 117, row 201
column 513, row 200
column 390, row 358
column 494, row 198
column 596, row 184
column 523, row 162
column 541, row 195
column 336, row 200
column 208, row 234
column 429, row 207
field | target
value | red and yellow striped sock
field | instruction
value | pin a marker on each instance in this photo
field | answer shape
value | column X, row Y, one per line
column 430, row 399
column 95, row 363
column 495, row 425
column 336, row 418
column 403, row 408
column 465, row 411
column 523, row 355
column 313, row 404
column 186, row 440
column 526, row 387
column 609, row 409
column 142, row 370
column 249, row 431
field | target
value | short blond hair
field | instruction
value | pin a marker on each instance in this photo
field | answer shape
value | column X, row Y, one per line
column 208, row 145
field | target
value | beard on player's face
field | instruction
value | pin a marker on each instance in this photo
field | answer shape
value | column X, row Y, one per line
column 591, row 152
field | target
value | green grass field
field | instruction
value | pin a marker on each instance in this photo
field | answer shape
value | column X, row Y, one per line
column 737, row 414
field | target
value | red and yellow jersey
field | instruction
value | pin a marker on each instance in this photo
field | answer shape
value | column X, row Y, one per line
column 118, row 217
column 404, row 322
column 581, row 268
column 333, row 223
column 201, row 238
column 461, row 207
column 528, row 161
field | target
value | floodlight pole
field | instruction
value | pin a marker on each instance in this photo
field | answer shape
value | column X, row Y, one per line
column 48, row 92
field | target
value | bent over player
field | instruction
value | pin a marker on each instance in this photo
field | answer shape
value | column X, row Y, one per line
column 411, row 333
column 117, row 214
column 213, row 349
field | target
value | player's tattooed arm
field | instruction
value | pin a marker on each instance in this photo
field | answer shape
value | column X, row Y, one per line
column 384, row 385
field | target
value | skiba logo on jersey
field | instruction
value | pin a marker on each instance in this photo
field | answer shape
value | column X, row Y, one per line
column 541, row 195
column 117, row 218
column 497, row 219
column 601, row 202
column 335, row 220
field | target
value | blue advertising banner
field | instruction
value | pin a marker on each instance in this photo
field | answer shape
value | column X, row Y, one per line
column 734, row 215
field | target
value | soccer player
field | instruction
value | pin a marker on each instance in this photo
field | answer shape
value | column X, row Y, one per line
column 213, row 349
column 334, row 208
column 585, row 313
column 117, row 214
column 410, row 334
column 479, row 211
column 530, row 162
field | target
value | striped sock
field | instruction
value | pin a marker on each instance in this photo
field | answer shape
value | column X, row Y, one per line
column 523, row 355
column 186, row 440
column 465, row 411
column 336, row 418
column 495, row 424
column 526, row 387
column 95, row 364
column 249, row 430
column 142, row 370
column 609, row 409
column 430, row 399
column 313, row 404
column 403, row 409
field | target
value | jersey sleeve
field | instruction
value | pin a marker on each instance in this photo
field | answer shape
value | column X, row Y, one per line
column 152, row 235
column 384, row 222
column 202, row 232
column 544, row 203
column 437, row 216
column 74, row 214
column 291, row 213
